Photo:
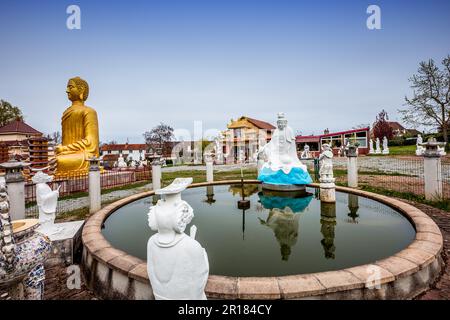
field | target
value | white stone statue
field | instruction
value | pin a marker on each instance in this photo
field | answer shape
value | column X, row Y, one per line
column 241, row 157
column 121, row 162
column 377, row 143
column 371, row 150
column 419, row 148
column 385, row 145
column 177, row 265
column 281, row 152
column 441, row 151
column 306, row 154
column 326, row 164
column 47, row 201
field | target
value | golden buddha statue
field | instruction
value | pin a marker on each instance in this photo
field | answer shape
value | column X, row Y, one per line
column 80, row 140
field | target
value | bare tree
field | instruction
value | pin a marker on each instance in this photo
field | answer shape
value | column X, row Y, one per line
column 55, row 137
column 159, row 136
column 430, row 103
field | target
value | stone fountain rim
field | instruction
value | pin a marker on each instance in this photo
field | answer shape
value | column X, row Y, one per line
column 420, row 254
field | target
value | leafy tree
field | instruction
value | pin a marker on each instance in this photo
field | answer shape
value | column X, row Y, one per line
column 159, row 137
column 430, row 102
column 381, row 126
column 9, row 113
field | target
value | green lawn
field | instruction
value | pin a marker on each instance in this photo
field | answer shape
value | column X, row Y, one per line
column 402, row 150
column 399, row 151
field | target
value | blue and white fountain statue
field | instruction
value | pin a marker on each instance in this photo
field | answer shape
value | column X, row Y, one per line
column 282, row 170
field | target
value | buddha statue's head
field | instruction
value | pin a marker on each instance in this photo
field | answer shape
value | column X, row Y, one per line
column 281, row 122
column 77, row 89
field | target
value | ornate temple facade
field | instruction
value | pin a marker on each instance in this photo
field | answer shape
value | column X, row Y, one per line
column 242, row 139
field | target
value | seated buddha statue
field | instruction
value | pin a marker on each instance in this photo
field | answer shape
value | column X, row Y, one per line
column 80, row 139
column 282, row 166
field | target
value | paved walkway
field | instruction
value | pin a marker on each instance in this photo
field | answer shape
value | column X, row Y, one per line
column 441, row 288
column 56, row 287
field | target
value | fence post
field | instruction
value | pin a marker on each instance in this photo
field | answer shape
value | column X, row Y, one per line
column 352, row 167
column 95, row 196
column 209, row 171
column 15, row 183
column 432, row 170
column 156, row 175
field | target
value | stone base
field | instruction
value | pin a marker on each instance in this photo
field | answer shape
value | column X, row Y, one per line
column 386, row 151
column 328, row 192
column 66, row 242
column 284, row 187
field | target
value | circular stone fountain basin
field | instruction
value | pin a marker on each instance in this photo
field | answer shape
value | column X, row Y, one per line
column 282, row 246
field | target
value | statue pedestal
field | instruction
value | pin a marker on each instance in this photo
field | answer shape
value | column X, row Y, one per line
column 283, row 187
column 66, row 242
column 328, row 191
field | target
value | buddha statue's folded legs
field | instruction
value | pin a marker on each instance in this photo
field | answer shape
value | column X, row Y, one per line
column 72, row 163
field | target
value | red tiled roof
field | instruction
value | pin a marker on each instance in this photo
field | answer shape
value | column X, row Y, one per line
column 18, row 126
column 261, row 124
column 395, row 125
column 125, row 146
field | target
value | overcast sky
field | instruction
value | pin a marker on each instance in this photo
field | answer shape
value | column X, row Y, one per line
column 210, row 61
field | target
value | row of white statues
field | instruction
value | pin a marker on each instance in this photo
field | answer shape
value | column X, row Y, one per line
column 378, row 149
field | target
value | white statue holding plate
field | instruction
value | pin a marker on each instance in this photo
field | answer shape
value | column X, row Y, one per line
column 47, row 201
column 177, row 264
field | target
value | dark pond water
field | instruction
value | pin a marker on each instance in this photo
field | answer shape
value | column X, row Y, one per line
column 277, row 235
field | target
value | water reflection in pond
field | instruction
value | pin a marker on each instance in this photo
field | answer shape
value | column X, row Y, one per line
column 275, row 234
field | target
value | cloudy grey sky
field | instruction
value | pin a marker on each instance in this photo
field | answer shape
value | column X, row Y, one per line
column 210, row 61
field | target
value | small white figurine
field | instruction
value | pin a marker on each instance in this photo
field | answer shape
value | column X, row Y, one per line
column 306, row 154
column 47, row 201
column 385, row 145
column 177, row 265
column 326, row 164
column 419, row 148
column 377, row 142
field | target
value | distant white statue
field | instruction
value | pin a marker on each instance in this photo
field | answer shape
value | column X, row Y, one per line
column 306, row 154
column 385, row 145
column 326, row 164
column 420, row 149
column 47, row 201
column 377, row 142
column 241, row 157
column 441, row 151
column 177, row 265
column 371, row 150
column 121, row 162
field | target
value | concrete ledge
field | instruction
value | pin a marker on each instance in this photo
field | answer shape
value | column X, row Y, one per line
column 114, row 274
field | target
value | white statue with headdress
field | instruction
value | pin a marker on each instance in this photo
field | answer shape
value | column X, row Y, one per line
column 282, row 165
column 177, row 264
column 47, row 201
